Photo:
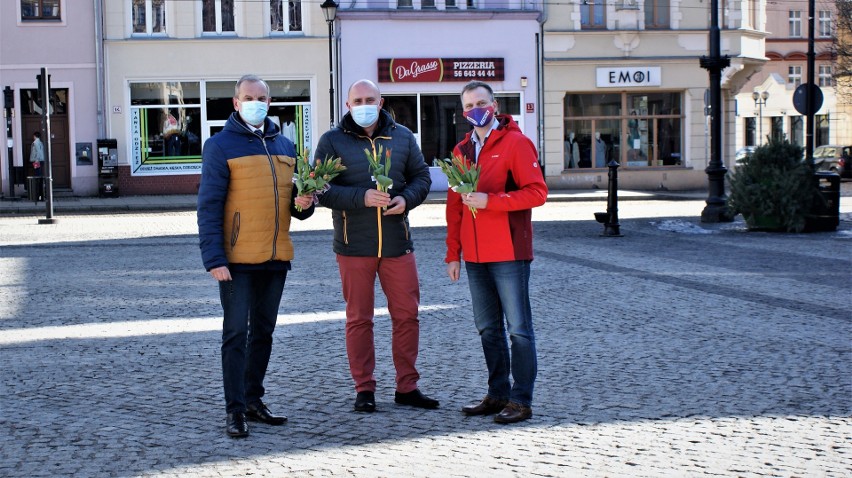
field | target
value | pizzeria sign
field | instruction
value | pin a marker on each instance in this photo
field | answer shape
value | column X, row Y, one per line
column 436, row 70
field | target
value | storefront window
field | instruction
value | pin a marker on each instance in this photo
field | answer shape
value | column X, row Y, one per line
column 436, row 120
column 645, row 131
column 169, row 125
column 165, row 126
column 289, row 108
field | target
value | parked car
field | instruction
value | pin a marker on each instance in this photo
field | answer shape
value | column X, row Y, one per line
column 834, row 158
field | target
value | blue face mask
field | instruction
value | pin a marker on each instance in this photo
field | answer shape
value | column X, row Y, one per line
column 365, row 115
column 253, row 112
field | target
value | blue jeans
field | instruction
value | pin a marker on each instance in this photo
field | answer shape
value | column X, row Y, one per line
column 250, row 303
column 499, row 289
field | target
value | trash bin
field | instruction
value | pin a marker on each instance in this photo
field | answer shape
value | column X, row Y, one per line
column 35, row 188
column 825, row 212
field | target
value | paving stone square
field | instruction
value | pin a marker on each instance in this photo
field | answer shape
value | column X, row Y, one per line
column 680, row 349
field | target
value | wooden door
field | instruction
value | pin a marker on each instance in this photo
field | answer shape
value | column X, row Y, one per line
column 60, row 156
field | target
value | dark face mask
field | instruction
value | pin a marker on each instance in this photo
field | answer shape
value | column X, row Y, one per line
column 479, row 117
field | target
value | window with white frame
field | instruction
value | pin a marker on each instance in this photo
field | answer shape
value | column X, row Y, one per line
column 148, row 17
column 593, row 14
column 794, row 76
column 40, row 10
column 217, row 16
column 825, row 75
column 285, row 16
column 657, row 13
column 405, row 4
column 824, row 24
column 795, row 23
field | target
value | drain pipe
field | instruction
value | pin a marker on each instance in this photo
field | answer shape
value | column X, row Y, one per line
column 99, row 67
column 539, row 56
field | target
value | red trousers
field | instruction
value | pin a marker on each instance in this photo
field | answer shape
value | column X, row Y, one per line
column 399, row 281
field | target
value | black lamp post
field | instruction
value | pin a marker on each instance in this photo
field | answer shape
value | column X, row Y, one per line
column 760, row 102
column 329, row 11
column 714, row 63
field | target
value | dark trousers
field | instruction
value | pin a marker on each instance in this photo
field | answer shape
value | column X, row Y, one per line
column 250, row 303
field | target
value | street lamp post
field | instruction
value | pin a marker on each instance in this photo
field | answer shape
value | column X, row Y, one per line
column 760, row 101
column 329, row 11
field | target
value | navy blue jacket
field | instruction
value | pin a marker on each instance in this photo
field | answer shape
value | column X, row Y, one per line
column 363, row 231
column 245, row 198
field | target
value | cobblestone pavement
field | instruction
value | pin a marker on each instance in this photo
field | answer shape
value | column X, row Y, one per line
column 680, row 349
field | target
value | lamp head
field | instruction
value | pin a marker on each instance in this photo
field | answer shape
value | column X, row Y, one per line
column 329, row 10
column 764, row 95
column 755, row 95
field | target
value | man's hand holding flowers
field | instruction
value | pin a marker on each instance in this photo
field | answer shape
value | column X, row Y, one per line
column 462, row 177
column 380, row 165
column 312, row 179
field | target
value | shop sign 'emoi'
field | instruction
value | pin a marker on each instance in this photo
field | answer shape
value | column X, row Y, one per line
column 635, row 76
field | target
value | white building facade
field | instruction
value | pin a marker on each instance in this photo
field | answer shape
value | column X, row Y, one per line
column 623, row 82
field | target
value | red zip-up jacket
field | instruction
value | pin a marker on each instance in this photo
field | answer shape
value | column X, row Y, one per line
column 511, row 176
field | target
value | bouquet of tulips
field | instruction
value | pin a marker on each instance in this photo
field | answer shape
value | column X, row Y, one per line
column 314, row 178
column 462, row 175
column 380, row 165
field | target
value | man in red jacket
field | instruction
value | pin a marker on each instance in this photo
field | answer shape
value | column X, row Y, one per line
column 496, row 246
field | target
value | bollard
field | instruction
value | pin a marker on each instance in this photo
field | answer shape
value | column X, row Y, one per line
column 610, row 217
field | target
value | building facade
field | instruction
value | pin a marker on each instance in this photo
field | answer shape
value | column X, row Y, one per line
column 623, row 82
column 588, row 82
column 422, row 53
column 62, row 39
column 171, row 68
column 772, row 113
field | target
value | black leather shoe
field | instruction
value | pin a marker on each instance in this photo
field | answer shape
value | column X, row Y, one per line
column 488, row 406
column 415, row 398
column 236, row 426
column 258, row 412
column 513, row 413
column 365, row 402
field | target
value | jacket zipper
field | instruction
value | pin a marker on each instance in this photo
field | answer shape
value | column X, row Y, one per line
column 345, row 229
column 275, row 189
column 378, row 209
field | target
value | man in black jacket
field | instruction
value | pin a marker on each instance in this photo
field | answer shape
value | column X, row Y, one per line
column 372, row 237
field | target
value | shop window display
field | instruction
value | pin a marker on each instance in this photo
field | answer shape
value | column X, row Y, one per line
column 168, row 128
column 637, row 130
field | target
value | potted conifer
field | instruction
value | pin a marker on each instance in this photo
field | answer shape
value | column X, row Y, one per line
column 773, row 188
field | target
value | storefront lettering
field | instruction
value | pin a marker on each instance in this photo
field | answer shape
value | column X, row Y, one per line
column 428, row 70
column 415, row 69
column 621, row 77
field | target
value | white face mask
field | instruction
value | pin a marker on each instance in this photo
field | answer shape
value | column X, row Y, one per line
column 365, row 115
column 253, row 112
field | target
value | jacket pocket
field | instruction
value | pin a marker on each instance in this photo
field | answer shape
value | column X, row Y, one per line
column 235, row 229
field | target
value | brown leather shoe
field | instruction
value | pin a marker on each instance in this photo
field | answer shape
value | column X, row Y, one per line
column 513, row 413
column 488, row 406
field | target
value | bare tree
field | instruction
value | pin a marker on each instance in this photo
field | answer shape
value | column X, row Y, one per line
column 842, row 49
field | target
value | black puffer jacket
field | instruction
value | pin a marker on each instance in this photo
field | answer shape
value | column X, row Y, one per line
column 364, row 231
